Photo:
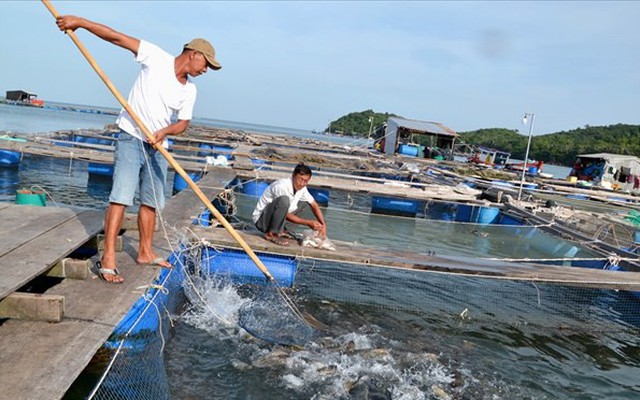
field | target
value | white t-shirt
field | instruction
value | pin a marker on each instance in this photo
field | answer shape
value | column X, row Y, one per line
column 157, row 97
column 281, row 187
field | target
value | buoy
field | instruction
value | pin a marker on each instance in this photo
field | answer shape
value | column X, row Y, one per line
column 28, row 197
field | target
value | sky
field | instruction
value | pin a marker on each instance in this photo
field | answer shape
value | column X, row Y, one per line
column 297, row 64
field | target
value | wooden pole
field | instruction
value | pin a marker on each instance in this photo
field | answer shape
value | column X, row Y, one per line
column 162, row 150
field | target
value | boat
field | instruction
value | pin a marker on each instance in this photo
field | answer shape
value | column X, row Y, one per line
column 489, row 157
column 23, row 98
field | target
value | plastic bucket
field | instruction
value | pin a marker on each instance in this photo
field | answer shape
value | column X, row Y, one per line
column 28, row 197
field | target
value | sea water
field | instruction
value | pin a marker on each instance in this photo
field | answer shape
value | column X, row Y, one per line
column 387, row 336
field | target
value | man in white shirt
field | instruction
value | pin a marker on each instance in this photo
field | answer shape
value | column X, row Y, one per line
column 163, row 98
column 279, row 203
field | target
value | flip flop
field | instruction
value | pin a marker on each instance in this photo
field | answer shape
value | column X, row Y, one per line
column 108, row 271
column 156, row 262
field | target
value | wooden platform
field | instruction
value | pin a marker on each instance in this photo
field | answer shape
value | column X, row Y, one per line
column 40, row 360
column 349, row 253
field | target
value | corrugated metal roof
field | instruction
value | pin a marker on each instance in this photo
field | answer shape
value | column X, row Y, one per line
column 609, row 156
column 424, row 126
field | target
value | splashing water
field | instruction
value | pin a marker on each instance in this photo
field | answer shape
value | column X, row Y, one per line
column 347, row 361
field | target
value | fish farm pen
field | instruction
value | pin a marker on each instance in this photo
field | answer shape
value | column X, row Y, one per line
column 420, row 254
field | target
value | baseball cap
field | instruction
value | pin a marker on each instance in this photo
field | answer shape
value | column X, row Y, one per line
column 207, row 50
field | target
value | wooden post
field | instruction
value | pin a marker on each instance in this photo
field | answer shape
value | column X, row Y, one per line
column 39, row 307
column 70, row 268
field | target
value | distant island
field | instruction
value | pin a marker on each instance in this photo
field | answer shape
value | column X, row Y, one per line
column 554, row 148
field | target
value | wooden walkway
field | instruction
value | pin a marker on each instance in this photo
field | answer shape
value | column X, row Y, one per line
column 39, row 359
column 348, row 253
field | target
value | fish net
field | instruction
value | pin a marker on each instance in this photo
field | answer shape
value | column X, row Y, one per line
column 342, row 299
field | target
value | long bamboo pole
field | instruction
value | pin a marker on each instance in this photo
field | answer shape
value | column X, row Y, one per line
column 162, row 150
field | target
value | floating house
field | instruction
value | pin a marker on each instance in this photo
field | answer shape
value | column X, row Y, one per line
column 23, row 97
column 400, row 136
column 611, row 171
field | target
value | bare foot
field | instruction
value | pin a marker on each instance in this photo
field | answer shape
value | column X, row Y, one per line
column 274, row 238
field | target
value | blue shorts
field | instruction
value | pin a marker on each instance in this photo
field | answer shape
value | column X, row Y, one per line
column 137, row 165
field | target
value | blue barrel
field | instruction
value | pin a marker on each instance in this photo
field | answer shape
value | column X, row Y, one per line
column 263, row 164
column 206, row 150
column 408, row 150
column 240, row 269
column 253, row 188
column 532, row 170
column 394, row 206
column 321, row 196
column 179, row 184
column 204, row 219
column 442, row 211
column 100, row 169
column 477, row 214
column 9, row 158
column 224, row 151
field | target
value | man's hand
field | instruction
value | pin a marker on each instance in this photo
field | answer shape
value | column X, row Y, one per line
column 317, row 226
column 158, row 137
column 68, row 22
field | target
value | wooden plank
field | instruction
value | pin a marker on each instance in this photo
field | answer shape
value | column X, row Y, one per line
column 387, row 258
column 185, row 205
column 32, row 306
column 397, row 189
column 40, row 360
column 22, row 224
column 24, row 263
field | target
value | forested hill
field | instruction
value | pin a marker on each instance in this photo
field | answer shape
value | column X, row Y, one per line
column 557, row 148
column 561, row 147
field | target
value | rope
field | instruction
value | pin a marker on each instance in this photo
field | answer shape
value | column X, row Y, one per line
column 150, row 300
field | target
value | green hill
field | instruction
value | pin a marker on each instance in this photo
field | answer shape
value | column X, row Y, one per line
column 556, row 148
column 561, row 147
